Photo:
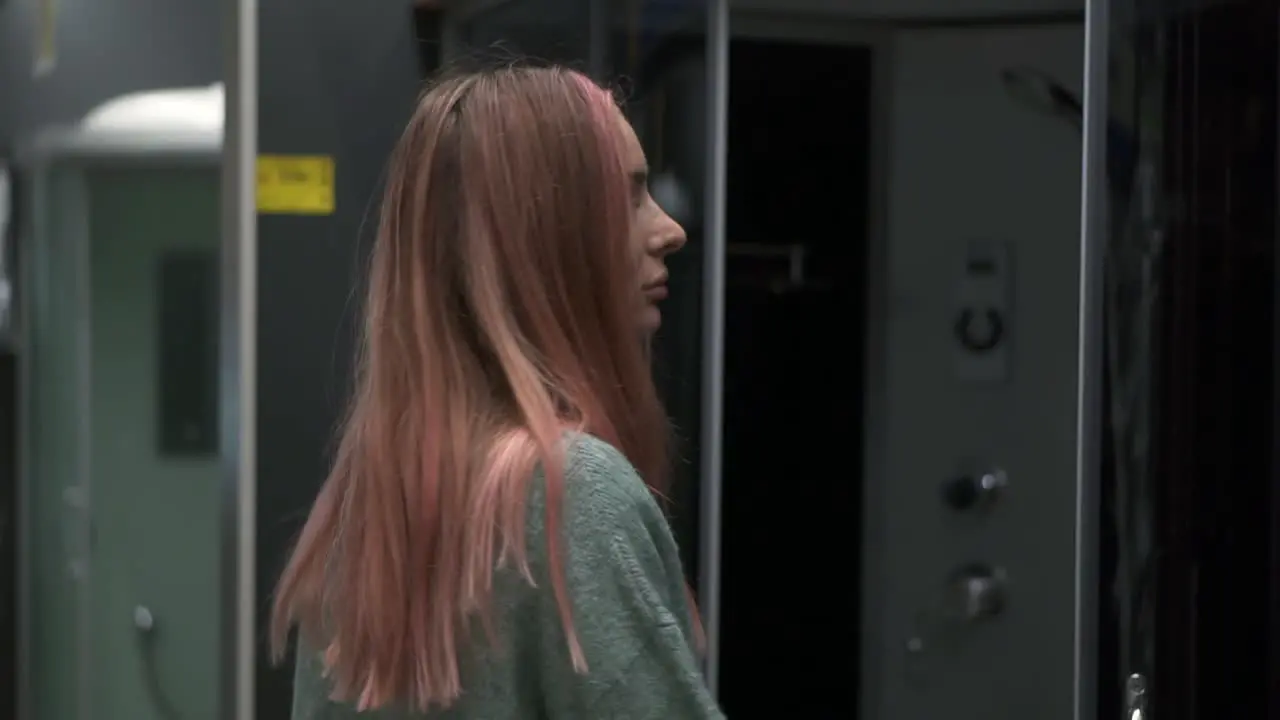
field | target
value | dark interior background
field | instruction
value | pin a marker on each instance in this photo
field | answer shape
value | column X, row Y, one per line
column 798, row 170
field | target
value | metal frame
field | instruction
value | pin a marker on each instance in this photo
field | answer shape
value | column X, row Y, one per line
column 1093, row 237
column 39, row 163
column 238, row 362
column 715, row 259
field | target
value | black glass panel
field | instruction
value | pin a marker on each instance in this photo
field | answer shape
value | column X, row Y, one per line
column 187, row 285
column 1191, row 561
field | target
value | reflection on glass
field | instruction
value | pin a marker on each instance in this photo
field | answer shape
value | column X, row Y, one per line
column 653, row 53
column 1190, row 293
column 656, row 58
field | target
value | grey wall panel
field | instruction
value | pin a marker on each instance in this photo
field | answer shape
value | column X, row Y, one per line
column 105, row 48
column 335, row 78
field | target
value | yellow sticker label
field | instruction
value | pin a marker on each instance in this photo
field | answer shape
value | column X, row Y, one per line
column 47, row 38
column 295, row 185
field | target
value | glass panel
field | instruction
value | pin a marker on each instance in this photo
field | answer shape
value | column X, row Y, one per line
column 797, row 227
column 156, row 473
column 657, row 56
column 123, row 475
column 1190, row 559
column 55, row 484
column 654, row 53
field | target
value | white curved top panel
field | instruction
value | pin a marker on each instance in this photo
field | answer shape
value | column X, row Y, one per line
column 169, row 123
column 187, row 111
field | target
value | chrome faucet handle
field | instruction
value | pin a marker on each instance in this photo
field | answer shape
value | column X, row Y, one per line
column 972, row 595
column 1135, row 697
column 974, row 491
column 977, row 592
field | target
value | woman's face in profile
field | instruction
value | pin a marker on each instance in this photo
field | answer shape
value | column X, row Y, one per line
column 654, row 234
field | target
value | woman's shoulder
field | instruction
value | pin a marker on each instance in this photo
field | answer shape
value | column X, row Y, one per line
column 599, row 479
column 600, row 493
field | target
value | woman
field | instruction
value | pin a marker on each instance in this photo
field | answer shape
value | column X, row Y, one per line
column 488, row 543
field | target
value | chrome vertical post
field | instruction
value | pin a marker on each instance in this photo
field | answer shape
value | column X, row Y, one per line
column 713, row 324
column 1093, row 238
column 238, row 361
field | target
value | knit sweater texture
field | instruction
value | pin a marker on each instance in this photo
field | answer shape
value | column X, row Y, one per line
column 630, row 612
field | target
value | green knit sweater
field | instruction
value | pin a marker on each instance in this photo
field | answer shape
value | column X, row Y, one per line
column 630, row 612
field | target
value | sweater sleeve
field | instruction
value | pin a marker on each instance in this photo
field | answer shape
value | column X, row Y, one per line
column 630, row 611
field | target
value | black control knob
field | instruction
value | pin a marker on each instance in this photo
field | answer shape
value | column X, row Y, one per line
column 971, row 491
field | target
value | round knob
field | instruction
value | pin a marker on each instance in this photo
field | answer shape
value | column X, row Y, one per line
column 970, row 491
column 143, row 620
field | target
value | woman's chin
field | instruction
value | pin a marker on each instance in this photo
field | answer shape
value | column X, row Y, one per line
column 650, row 318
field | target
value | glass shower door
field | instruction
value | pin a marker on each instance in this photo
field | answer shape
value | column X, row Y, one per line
column 1183, row 191
column 53, row 515
column 659, row 55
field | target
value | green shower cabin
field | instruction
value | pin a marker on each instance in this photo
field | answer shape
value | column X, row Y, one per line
column 121, row 479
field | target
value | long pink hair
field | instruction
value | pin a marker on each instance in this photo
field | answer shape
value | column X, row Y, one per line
column 501, row 311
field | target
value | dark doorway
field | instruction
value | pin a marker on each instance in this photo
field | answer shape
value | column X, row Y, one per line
column 797, row 230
